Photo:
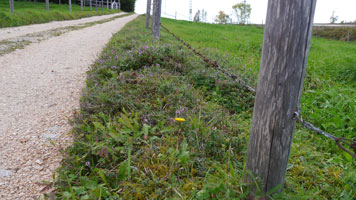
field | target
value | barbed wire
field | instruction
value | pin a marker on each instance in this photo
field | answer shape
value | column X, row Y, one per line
column 212, row 63
column 340, row 141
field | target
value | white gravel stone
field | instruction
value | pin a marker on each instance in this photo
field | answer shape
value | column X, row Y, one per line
column 5, row 173
column 50, row 136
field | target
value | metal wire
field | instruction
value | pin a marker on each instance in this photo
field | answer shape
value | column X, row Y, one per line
column 213, row 63
column 340, row 142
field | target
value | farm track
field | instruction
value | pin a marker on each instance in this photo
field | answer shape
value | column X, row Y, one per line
column 40, row 88
column 39, row 32
column 12, row 32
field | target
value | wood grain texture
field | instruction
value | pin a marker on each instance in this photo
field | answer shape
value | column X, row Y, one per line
column 148, row 13
column 283, row 65
column 156, row 19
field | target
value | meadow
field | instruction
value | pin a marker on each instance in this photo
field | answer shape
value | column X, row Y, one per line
column 129, row 144
column 26, row 13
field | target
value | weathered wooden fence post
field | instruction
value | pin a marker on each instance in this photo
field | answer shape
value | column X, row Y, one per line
column 285, row 51
column 91, row 5
column 102, row 5
column 96, row 5
column 107, row 4
column 156, row 19
column 11, row 5
column 81, row 5
column 70, row 5
column 47, row 5
column 148, row 13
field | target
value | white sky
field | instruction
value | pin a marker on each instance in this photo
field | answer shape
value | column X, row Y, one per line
column 345, row 9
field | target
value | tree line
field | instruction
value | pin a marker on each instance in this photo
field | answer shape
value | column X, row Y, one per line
column 241, row 15
column 241, row 12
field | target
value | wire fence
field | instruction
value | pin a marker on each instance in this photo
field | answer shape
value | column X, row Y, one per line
column 341, row 142
column 213, row 63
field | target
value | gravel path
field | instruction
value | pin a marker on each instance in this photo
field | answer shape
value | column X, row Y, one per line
column 40, row 89
column 6, row 33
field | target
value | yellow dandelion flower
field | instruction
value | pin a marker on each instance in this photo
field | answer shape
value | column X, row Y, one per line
column 179, row 119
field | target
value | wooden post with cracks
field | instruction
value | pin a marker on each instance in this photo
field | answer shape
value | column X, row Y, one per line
column 285, row 51
column 148, row 13
column 156, row 19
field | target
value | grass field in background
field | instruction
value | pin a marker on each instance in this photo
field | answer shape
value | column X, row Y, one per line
column 329, row 97
column 129, row 146
column 26, row 13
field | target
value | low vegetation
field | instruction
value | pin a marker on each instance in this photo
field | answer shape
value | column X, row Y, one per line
column 336, row 33
column 33, row 13
column 129, row 144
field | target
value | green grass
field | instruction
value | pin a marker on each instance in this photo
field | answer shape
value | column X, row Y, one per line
column 128, row 145
column 33, row 13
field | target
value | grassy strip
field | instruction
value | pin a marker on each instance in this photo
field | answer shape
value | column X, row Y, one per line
column 27, row 13
column 128, row 145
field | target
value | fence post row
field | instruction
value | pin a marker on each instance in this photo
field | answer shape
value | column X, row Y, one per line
column 285, row 51
column 156, row 19
column 148, row 13
column 70, row 5
column 47, row 5
column 11, row 5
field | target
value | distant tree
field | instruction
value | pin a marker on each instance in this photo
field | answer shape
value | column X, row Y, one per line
column 197, row 16
column 333, row 18
column 222, row 18
column 128, row 5
column 204, row 15
column 243, row 12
